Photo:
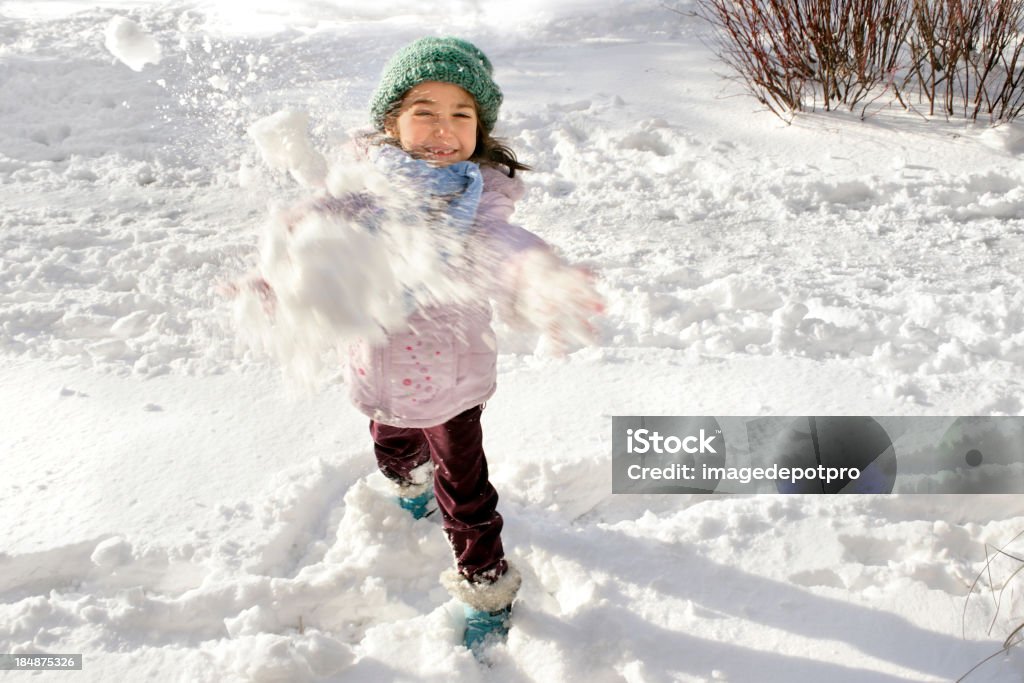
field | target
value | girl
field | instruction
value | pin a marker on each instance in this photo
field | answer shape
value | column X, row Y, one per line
column 425, row 385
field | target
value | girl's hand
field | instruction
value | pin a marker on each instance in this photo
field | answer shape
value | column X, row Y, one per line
column 251, row 284
column 558, row 299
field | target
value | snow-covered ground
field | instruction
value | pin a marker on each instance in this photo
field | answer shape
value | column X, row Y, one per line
column 173, row 512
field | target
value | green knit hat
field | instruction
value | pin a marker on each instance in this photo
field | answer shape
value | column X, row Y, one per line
column 448, row 60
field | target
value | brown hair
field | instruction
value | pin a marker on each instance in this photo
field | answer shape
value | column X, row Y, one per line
column 489, row 151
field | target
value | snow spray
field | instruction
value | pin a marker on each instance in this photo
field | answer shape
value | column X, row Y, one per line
column 354, row 261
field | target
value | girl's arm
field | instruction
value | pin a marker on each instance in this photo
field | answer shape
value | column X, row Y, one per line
column 535, row 288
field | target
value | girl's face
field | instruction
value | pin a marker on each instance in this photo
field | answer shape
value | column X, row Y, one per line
column 437, row 122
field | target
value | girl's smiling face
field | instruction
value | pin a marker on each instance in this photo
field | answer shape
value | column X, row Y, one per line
column 437, row 122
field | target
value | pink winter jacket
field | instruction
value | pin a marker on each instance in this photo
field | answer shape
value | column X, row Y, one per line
column 444, row 362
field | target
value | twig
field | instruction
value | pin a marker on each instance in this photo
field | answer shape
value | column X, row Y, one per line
column 987, row 568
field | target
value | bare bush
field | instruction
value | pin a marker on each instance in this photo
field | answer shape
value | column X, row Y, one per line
column 962, row 57
column 795, row 54
column 965, row 57
column 759, row 46
column 857, row 44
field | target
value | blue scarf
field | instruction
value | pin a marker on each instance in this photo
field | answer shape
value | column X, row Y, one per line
column 448, row 194
column 457, row 187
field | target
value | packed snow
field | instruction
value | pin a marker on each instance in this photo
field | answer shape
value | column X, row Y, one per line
column 128, row 42
column 283, row 141
column 174, row 511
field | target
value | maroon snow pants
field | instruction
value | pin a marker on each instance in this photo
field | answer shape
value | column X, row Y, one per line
column 464, row 495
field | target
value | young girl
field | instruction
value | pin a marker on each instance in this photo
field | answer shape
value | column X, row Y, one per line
column 425, row 385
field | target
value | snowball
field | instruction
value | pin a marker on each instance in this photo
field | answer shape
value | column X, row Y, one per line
column 112, row 553
column 284, row 144
column 129, row 43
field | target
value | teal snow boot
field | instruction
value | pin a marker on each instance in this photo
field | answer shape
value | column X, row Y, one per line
column 485, row 627
column 420, row 506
